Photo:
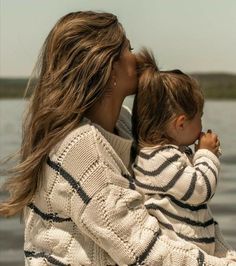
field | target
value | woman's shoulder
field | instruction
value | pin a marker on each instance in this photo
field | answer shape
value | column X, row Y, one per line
column 83, row 135
column 88, row 130
column 89, row 138
column 90, row 146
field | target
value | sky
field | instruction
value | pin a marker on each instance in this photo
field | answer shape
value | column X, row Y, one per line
column 192, row 35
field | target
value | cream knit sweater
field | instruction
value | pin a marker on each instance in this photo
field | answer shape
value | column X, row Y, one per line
column 178, row 191
column 87, row 211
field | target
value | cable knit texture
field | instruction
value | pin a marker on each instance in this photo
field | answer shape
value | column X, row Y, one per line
column 87, row 211
column 178, row 188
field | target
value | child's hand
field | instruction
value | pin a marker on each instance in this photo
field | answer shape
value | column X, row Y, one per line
column 209, row 141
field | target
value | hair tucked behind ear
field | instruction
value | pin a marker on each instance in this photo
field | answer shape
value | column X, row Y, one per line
column 73, row 71
column 161, row 96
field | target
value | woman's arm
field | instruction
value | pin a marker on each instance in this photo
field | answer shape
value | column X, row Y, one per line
column 117, row 221
column 110, row 213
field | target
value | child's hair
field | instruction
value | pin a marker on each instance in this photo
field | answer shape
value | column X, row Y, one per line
column 161, row 96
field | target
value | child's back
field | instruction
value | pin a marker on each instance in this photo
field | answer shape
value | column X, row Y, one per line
column 177, row 191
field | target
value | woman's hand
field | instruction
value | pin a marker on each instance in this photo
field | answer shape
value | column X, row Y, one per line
column 209, row 141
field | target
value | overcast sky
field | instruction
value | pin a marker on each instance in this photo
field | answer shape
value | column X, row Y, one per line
column 193, row 35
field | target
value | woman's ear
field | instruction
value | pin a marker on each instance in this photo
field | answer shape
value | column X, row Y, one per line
column 115, row 68
column 112, row 79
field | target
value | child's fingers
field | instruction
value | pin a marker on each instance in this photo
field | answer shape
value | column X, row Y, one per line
column 212, row 135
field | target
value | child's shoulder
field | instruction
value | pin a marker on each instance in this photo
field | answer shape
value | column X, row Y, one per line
column 168, row 150
column 162, row 156
column 159, row 148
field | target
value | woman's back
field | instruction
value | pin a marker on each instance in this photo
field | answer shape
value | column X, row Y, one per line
column 75, row 175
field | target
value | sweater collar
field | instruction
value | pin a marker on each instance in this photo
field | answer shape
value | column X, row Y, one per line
column 121, row 145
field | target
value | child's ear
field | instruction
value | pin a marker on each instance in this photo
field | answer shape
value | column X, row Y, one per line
column 180, row 122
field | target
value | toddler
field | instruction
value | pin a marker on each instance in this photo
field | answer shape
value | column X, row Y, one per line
column 177, row 184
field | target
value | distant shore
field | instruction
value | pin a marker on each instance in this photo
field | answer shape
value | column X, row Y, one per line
column 214, row 85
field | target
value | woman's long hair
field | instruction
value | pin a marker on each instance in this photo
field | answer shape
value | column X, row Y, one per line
column 161, row 96
column 74, row 69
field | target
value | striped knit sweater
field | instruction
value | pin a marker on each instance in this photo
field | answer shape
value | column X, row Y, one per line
column 87, row 211
column 178, row 188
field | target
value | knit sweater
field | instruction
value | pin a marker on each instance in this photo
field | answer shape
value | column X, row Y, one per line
column 178, row 188
column 87, row 211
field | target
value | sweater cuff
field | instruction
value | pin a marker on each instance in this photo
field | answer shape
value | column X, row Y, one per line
column 206, row 153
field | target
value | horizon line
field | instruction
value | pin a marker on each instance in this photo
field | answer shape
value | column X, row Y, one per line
column 190, row 73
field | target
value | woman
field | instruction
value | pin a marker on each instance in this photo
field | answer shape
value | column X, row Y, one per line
column 73, row 183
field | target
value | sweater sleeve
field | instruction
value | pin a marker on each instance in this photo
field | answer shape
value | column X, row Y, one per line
column 107, row 210
column 168, row 172
column 117, row 221
column 207, row 167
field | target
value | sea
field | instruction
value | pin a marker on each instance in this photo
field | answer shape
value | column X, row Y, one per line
column 219, row 115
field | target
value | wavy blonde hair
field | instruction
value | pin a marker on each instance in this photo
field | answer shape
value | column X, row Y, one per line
column 161, row 96
column 74, row 69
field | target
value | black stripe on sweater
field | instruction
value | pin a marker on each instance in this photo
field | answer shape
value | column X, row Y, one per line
column 184, row 205
column 48, row 216
column 74, row 184
column 50, row 259
column 160, row 168
column 191, row 188
column 162, row 188
column 206, row 240
column 131, row 181
column 201, row 258
column 140, row 184
column 208, row 185
column 140, row 259
column 186, row 220
column 152, row 154
column 212, row 170
column 174, row 180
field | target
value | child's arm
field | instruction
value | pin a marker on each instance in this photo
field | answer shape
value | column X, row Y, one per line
column 169, row 172
column 206, row 168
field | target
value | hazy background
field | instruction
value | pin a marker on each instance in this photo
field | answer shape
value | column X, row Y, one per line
column 196, row 36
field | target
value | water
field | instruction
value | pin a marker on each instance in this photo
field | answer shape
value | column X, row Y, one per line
column 218, row 115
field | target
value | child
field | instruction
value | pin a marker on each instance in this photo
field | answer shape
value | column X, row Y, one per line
column 178, row 185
